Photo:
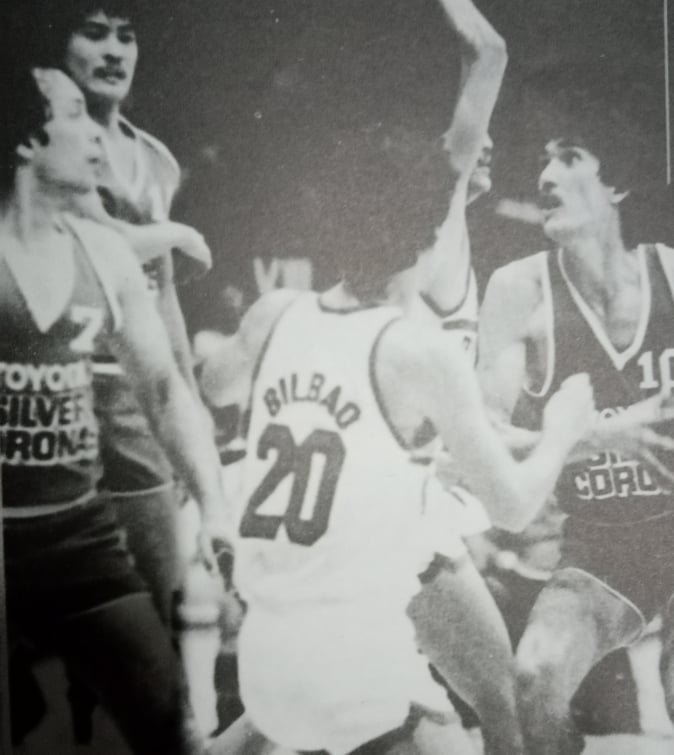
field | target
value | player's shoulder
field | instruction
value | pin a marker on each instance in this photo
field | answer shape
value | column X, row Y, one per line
column 262, row 316
column 519, row 282
column 160, row 154
column 408, row 346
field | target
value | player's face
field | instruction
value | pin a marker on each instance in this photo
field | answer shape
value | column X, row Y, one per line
column 573, row 199
column 69, row 157
column 101, row 57
column 480, row 180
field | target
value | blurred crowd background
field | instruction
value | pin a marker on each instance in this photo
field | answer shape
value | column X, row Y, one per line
column 251, row 96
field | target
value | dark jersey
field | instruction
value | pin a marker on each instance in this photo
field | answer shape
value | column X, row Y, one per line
column 48, row 431
column 609, row 487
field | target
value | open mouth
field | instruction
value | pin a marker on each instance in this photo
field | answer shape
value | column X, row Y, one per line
column 111, row 75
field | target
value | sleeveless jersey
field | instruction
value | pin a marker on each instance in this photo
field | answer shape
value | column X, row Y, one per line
column 607, row 488
column 48, row 432
column 132, row 458
column 460, row 322
column 332, row 501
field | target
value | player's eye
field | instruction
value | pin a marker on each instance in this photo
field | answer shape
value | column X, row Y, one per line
column 94, row 32
column 570, row 156
column 126, row 36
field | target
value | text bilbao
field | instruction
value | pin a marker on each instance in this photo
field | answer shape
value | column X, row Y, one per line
column 46, row 413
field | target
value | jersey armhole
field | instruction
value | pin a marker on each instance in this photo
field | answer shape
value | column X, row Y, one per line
column 661, row 250
column 546, row 259
column 379, row 399
column 444, row 314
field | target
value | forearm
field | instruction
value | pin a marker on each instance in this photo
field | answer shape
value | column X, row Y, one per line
column 180, row 425
column 519, row 440
column 535, row 481
column 172, row 317
column 483, row 62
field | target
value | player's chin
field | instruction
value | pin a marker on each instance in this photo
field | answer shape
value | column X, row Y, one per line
column 480, row 184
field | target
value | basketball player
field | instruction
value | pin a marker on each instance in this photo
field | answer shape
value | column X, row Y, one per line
column 66, row 283
column 594, row 305
column 95, row 42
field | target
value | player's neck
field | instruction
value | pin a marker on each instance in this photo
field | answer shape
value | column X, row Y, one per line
column 597, row 264
column 29, row 210
column 105, row 113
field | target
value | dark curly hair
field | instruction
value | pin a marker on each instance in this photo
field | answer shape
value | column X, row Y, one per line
column 377, row 198
column 25, row 116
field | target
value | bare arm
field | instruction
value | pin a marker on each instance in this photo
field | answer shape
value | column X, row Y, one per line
column 483, row 63
column 513, row 492
column 510, row 302
column 174, row 322
column 152, row 240
column 143, row 350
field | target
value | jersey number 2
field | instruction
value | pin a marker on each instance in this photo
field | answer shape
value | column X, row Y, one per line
column 295, row 460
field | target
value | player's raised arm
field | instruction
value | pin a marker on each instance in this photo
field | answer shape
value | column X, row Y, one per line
column 444, row 389
column 179, row 421
column 483, row 63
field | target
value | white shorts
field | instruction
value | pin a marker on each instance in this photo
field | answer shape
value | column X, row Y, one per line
column 332, row 678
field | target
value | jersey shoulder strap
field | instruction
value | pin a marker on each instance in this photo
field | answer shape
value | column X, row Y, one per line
column 100, row 245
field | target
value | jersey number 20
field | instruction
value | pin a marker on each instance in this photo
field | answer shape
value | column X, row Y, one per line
column 295, row 460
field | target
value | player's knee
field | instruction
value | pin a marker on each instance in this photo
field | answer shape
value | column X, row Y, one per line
column 538, row 671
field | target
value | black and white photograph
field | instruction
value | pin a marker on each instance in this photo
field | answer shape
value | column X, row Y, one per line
column 336, row 377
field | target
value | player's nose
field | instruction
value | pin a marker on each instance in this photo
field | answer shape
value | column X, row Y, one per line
column 547, row 180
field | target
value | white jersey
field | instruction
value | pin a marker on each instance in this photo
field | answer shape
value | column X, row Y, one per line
column 330, row 541
column 331, row 498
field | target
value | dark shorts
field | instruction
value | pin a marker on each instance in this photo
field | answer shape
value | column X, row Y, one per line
column 635, row 559
column 61, row 565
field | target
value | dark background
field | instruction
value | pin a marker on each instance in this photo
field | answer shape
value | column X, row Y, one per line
column 248, row 93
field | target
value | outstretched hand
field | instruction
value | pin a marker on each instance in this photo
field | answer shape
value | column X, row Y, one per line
column 636, row 433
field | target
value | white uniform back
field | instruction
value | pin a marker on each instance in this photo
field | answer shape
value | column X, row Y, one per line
column 329, row 544
column 331, row 496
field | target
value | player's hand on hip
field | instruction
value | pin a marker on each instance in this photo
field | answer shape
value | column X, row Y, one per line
column 569, row 414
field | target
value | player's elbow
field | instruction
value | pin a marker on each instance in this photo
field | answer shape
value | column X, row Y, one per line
column 488, row 48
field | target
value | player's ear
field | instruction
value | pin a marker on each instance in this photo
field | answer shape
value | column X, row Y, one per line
column 617, row 197
column 25, row 150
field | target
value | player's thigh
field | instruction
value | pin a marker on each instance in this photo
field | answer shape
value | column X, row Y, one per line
column 575, row 622
column 123, row 651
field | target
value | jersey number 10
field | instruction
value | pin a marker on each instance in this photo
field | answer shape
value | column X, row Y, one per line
column 295, row 460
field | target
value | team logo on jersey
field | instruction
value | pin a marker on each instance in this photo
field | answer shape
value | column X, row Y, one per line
column 46, row 414
column 610, row 475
